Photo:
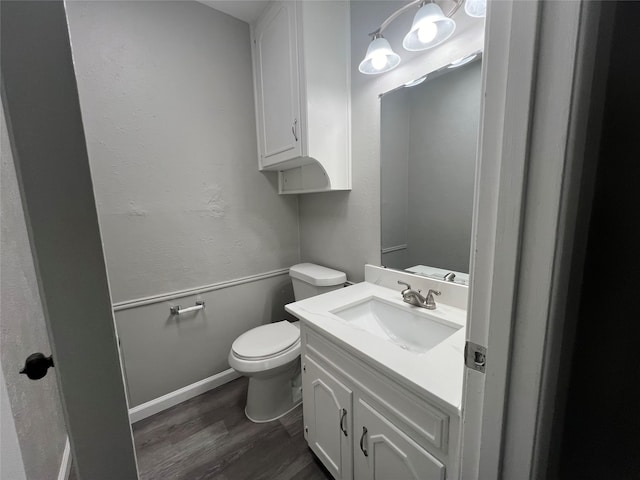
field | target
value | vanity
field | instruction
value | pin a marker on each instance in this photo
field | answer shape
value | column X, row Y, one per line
column 382, row 377
column 382, row 380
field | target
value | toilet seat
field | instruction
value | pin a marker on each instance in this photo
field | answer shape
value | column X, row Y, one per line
column 266, row 347
column 266, row 341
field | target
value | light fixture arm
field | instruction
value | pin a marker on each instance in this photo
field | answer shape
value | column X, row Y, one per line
column 409, row 6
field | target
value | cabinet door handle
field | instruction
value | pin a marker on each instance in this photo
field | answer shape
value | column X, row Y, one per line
column 362, row 447
column 294, row 129
column 342, row 418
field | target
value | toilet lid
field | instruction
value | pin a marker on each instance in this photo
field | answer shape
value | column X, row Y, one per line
column 266, row 340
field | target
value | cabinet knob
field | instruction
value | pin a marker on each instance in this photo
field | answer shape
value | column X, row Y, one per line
column 294, row 129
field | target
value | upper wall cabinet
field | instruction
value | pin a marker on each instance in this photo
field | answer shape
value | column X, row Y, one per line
column 302, row 90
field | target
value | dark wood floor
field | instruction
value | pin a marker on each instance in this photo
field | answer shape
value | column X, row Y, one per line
column 209, row 437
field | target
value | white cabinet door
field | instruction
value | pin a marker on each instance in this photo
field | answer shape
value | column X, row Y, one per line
column 277, row 84
column 327, row 408
column 384, row 452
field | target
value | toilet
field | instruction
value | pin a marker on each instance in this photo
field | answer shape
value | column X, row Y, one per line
column 270, row 354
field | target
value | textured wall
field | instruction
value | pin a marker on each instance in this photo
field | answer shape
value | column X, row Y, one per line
column 445, row 117
column 342, row 230
column 36, row 407
column 166, row 91
column 167, row 99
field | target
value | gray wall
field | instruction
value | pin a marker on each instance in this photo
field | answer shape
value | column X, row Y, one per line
column 342, row 230
column 166, row 92
column 167, row 99
column 163, row 353
column 445, row 117
column 35, row 406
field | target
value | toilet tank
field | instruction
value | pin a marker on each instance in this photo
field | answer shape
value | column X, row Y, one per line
column 309, row 280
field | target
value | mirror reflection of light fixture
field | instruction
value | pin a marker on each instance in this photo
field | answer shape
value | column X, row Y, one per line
column 431, row 26
column 415, row 82
column 476, row 8
column 462, row 61
column 380, row 57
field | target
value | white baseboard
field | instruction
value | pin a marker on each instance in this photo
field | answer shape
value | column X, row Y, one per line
column 65, row 462
column 185, row 393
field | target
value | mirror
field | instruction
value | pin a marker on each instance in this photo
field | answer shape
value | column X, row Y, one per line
column 428, row 158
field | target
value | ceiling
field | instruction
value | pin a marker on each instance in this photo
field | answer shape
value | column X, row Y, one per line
column 246, row 10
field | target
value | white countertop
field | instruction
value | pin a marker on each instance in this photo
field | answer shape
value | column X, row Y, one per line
column 436, row 374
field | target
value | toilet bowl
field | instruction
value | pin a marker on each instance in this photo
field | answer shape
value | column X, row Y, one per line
column 270, row 354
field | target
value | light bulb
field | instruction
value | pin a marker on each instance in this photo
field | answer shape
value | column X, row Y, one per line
column 379, row 60
column 427, row 32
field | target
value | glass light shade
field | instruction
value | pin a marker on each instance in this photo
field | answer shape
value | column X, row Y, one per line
column 430, row 28
column 476, row 8
column 380, row 57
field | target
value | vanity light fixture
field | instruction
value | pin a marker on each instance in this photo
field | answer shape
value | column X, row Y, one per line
column 431, row 26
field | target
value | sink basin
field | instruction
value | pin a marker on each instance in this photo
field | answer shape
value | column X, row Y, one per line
column 410, row 328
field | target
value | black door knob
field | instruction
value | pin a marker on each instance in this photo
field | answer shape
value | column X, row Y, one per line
column 36, row 366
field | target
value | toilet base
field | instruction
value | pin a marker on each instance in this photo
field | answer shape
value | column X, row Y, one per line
column 272, row 419
column 271, row 397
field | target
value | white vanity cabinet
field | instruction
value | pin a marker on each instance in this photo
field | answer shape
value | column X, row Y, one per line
column 363, row 425
column 301, row 68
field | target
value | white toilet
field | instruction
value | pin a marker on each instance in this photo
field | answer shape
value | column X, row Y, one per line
column 270, row 354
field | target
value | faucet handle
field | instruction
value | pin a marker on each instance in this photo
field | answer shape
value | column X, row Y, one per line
column 429, row 302
column 405, row 284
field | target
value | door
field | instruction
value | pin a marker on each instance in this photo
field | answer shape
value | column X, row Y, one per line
column 537, row 75
column 328, row 414
column 33, row 407
column 40, row 101
column 385, row 452
column 277, row 85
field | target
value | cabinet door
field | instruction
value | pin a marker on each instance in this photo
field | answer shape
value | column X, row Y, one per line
column 327, row 409
column 384, row 452
column 277, row 84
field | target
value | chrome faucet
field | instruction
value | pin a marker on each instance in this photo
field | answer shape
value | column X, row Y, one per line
column 415, row 298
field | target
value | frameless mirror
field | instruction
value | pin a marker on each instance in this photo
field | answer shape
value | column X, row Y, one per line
column 428, row 157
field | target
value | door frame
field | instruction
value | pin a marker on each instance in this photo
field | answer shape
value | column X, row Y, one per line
column 533, row 186
column 40, row 98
